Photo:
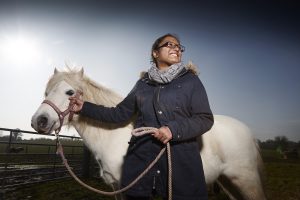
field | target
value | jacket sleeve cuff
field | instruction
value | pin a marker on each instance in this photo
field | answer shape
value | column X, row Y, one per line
column 85, row 108
column 176, row 136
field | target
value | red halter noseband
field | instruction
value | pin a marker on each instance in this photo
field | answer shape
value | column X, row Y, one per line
column 62, row 114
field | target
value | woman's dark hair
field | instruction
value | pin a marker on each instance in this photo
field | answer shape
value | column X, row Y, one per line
column 157, row 43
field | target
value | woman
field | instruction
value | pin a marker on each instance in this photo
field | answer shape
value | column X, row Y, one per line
column 171, row 98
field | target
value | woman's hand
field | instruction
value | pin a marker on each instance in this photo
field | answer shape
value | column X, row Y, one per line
column 75, row 104
column 163, row 134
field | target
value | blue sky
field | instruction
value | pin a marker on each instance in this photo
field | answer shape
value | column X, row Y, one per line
column 248, row 54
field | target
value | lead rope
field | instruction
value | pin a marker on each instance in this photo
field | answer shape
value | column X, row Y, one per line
column 136, row 132
column 147, row 130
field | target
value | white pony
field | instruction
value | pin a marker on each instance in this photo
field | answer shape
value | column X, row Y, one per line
column 229, row 152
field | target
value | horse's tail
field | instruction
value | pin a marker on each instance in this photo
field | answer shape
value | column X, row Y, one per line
column 260, row 165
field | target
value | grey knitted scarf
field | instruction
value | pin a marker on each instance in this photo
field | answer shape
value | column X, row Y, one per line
column 165, row 76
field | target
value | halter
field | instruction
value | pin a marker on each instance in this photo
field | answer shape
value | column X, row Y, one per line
column 62, row 114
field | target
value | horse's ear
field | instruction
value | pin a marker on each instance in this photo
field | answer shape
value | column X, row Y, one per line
column 55, row 71
column 81, row 72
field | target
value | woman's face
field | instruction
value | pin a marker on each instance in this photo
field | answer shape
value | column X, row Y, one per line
column 169, row 52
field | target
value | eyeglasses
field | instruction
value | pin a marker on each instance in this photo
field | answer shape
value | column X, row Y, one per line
column 172, row 45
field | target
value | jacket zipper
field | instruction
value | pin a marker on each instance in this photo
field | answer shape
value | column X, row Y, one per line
column 158, row 93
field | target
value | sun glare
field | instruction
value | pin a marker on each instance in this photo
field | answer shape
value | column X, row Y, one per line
column 20, row 50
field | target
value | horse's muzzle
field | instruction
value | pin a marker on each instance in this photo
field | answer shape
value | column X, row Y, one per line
column 42, row 124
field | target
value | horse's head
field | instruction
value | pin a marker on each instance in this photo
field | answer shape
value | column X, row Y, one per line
column 50, row 114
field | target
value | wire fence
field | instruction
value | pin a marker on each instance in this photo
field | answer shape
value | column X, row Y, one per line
column 24, row 162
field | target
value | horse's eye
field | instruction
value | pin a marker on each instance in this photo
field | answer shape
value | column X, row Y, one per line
column 70, row 92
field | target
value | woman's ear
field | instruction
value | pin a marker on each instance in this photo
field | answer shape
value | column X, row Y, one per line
column 155, row 54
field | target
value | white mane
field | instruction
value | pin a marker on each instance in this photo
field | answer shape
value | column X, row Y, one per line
column 92, row 92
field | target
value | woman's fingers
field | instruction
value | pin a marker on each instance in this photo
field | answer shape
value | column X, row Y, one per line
column 75, row 104
column 163, row 134
column 157, row 135
column 166, row 141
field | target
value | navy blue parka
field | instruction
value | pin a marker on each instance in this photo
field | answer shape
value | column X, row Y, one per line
column 183, row 106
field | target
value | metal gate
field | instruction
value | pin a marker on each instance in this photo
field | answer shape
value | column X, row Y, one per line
column 24, row 162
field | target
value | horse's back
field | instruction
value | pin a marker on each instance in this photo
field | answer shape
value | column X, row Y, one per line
column 229, row 134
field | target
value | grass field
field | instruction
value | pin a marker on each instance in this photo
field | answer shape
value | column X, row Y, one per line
column 282, row 182
column 282, row 176
column 69, row 190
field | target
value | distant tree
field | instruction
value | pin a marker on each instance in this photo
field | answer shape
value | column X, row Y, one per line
column 4, row 138
column 268, row 144
column 281, row 142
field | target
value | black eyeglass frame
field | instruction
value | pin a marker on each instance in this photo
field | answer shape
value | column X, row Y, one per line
column 173, row 45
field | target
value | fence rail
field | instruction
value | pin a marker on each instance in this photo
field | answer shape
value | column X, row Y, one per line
column 24, row 162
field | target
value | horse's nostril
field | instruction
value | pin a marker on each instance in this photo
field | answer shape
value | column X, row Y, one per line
column 42, row 121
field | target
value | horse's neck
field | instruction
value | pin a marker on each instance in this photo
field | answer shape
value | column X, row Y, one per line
column 95, row 135
column 98, row 137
